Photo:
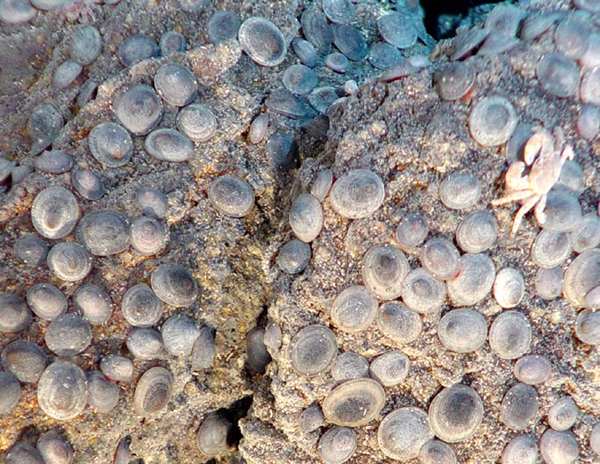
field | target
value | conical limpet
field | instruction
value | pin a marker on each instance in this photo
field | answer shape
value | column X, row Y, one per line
column 174, row 285
column 43, row 126
column 455, row 414
column 55, row 212
column 337, row 445
column 54, row 448
column 214, row 434
column 262, row 41
column 357, row 194
column 15, row 315
column 403, row 432
column 25, row 359
column 354, row 403
column 102, row 393
column 62, row 390
column 153, row 391
column 104, row 232
column 313, row 350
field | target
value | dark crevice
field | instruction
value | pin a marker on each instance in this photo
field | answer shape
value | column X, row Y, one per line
column 454, row 11
column 236, row 411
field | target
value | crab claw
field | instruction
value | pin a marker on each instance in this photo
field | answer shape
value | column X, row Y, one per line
column 567, row 154
column 532, row 148
column 514, row 176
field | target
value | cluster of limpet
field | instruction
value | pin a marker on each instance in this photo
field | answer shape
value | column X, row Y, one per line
column 412, row 274
column 353, row 357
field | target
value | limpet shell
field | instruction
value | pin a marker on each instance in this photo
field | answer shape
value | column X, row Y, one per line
column 62, row 390
column 153, row 391
column 312, row 350
column 354, row 403
column 174, row 285
column 455, row 414
column 403, row 432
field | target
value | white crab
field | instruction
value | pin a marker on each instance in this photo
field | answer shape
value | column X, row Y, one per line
column 545, row 156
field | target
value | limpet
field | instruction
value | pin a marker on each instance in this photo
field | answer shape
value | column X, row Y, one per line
column 54, row 448
column 147, row 235
column 440, row 258
column 294, row 256
column 262, row 41
column 15, row 315
column 24, row 453
column 197, row 122
column 311, row 419
column 399, row 323
column 477, row 232
column 25, row 360
column 422, row 292
column 117, row 368
column 93, row 303
column 384, row 268
column 169, row 145
column 312, row 350
column 460, row 190
column 306, row 217
column 509, row 287
column 492, row 121
column 354, row 309
column 175, row 84
column 110, row 144
column 520, row 406
column 256, row 351
column 532, row 369
column 153, row 391
column 104, row 232
column 68, row 335
column 55, row 212
column 10, row 392
column 563, row 414
column 462, row 330
column 31, row 249
column 437, row 452
column 69, row 261
column 46, row 301
column 520, row 450
column 179, row 332
column 62, row 390
column 510, row 335
column 174, row 285
column 455, row 414
column 214, row 434
column 390, row 368
column 474, row 281
column 88, row 184
column 138, row 109
column 403, row 432
column 144, row 343
column 558, row 447
column 357, row 194
column 354, row 403
column 103, row 395
column 231, row 196
column 43, row 126
column 338, row 444
column 135, row 49
column 222, row 27
column 203, row 351
column 86, row 45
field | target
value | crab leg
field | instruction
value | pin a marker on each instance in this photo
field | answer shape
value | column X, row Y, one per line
column 512, row 197
column 523, row 210
column 539, row 210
